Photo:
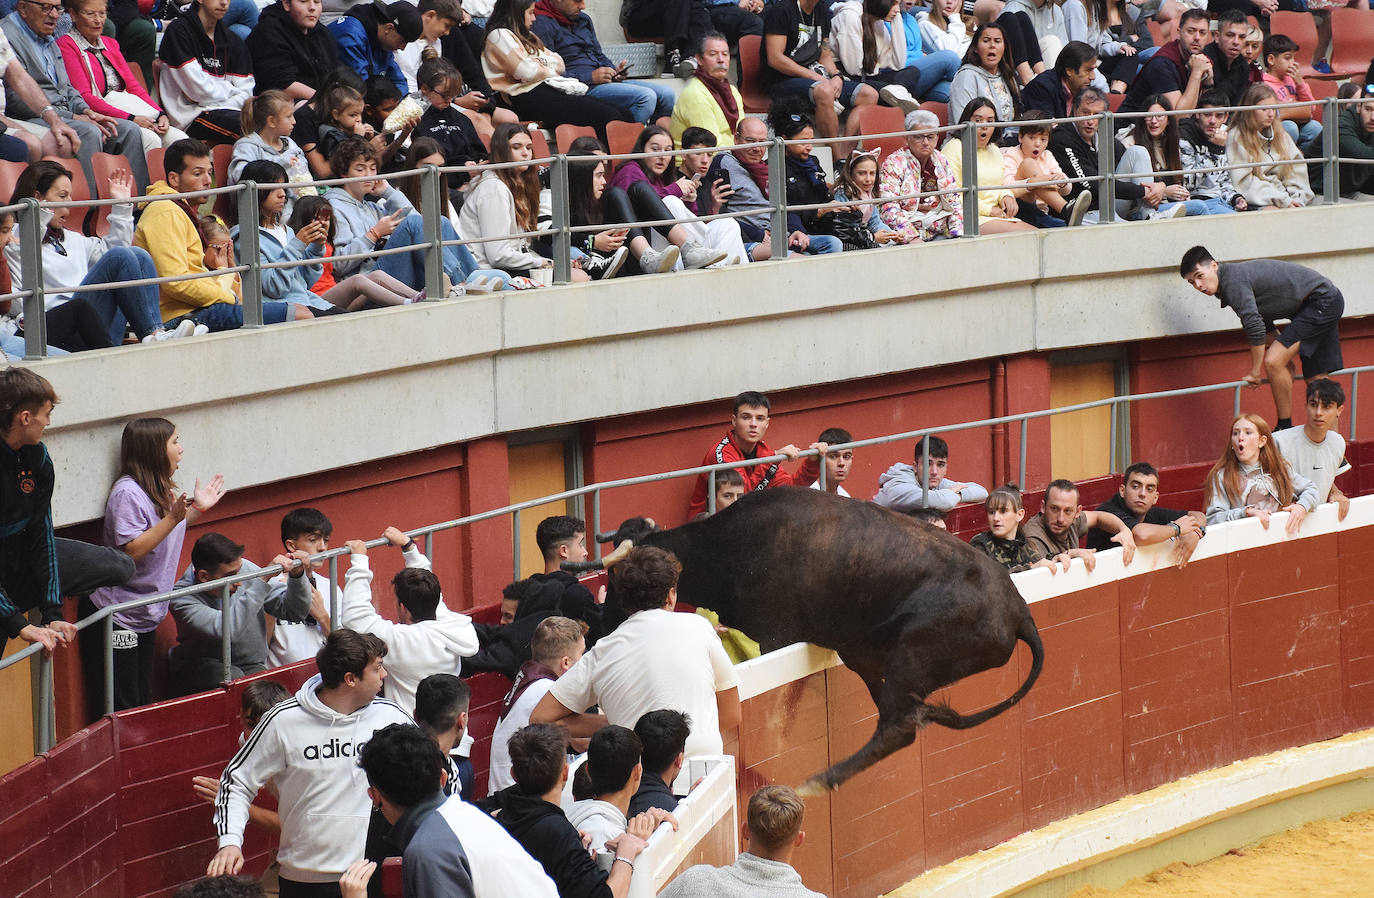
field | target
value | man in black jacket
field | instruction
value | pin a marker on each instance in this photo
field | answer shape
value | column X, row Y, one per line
column 529, row 811
column 1053, row 90
column 1074, row 145
column 663, row 741
column 294, row 53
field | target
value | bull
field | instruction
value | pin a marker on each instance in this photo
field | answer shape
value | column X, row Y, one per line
column 906, row 606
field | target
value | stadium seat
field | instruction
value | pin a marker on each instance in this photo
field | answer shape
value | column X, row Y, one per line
column 1321, row 89
column 76, row 218
column 1301, row 28
column 1352, row 44
column 941, row 111
column 9, row 176
column 874, row 119
column 751, row 74
column 622, row 136
column 226, row 204
column 541, row 142
column 564, row 135
column 1114, row 101
column 155, row 167
column 105, row 165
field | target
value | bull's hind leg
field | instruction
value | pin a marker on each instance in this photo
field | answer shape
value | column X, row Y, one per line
column 900, row 715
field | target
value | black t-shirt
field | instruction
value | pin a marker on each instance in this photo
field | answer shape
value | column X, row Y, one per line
column 1232, row 79
column 1101, row 539
column 1159, row 75
column 806, row 34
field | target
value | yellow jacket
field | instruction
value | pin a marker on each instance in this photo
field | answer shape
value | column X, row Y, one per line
column 695, row 107
column 170, row 237
column 990, row 174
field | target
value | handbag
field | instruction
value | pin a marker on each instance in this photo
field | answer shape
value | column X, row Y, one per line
column 851, row 230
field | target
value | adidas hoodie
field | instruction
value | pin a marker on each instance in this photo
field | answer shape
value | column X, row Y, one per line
column 310, row 751
column 414, row 651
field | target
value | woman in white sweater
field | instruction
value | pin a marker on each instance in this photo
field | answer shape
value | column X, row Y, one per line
column 1281, row 181
column 504, row 202
column 869, row 40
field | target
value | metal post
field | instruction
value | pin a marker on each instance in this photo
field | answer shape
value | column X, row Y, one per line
column 1331, row 185
column 1235, row 412
column 562, row 238
column 109, row 664
column 820, row 477
column 925, row 470
column 333, row 591
column 711, row 493
column 429, row 545
column 248, row 254
column 1354, row 402
column 968, row 145
column 1106, row 167
column 515, row 541
column 31, row 268
column 431, row 211
column 1111, row 439
column 1024, row 427
column 777, row 188
column 44, row 733
column 226, row 620
column 596, row 521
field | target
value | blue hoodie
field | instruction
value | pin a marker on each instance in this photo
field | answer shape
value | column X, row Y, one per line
column 288, row 284
column 576, row 42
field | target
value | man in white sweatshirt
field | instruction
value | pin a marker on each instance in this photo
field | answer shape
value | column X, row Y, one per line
column 429, row 638
column 309, row 746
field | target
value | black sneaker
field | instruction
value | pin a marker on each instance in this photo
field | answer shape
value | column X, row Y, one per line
column 680, row 67
column 601, row 267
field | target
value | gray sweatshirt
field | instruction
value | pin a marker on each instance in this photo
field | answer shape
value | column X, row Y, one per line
column 200, row 622
column 352, row 218
column 1266, row 289
column 749, row 877
column 1227, row 508
column 899, row 488
column 972, row 80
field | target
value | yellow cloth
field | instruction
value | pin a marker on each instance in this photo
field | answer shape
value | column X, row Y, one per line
column 990, row 174
column 695, row 107
column 738, row 646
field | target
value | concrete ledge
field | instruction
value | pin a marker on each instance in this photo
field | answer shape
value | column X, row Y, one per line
column 296, row 399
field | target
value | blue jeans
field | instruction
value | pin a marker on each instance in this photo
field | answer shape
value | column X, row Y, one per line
column 242, row 17
column 409, row 268
column 227, row 316
column 14, row 347
column 1303, row 135
column 928, row 78
column 644, row 100
column 136, row 306
column 1213, row 205
column 823, row 245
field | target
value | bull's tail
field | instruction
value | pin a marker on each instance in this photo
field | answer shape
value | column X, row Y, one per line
column 946, row 716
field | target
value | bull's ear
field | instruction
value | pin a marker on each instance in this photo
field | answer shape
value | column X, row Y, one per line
column 618, row 555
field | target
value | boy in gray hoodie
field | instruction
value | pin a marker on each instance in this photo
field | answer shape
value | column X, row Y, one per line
column 365, row 212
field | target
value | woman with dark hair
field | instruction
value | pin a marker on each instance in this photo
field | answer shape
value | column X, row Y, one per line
column 503, row 202
column 997, row 208
column 652, row 193
column 987, row 72
column 1157, row 134
column 92, row 319
column 870, row 42
column 809, row 231
column 602, row 253
column 530, row 75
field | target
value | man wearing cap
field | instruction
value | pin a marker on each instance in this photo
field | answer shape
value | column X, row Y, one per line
column 370, row 34
column 208, row 76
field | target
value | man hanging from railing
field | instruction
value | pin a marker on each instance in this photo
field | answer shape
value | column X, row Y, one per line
column 28, row 552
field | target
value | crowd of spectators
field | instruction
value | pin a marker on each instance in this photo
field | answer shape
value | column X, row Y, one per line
column 373, row 88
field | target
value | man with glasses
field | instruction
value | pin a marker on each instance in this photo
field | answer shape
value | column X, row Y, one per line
column 77, row 130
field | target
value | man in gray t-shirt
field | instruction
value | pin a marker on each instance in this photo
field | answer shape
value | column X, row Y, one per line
column 1316, row 450
column 1261, row 292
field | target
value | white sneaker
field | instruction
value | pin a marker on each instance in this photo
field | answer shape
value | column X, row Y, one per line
column 1177, row 211
column 185, row 329
column 694, row 255
column 200, row 330
column 657, row 261
column 899, row 96
column 839, row 108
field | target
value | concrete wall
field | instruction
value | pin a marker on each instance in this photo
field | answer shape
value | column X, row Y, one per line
column 296, row 399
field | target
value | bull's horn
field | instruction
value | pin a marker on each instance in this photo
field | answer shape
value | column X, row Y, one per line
column 581, row 567
column 618, row 555
column 607, row 536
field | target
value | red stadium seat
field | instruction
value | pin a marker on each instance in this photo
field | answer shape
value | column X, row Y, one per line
column 155, row 168
column 564, row 135
column 541, row 142
column 9, row 176
column 875, row 119
column 751, row 74
column 1114, row 101
column 76, row 218
column 1321, row 89
column 1301, row 28
column 105, row 165
column 226, row 204
column 941, row 110
column 1352, row 43
column 622, row 136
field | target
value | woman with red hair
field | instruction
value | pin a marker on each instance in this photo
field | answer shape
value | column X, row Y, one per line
column 1253, row 479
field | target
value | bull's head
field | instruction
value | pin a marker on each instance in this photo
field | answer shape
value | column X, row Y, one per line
column 624, row 537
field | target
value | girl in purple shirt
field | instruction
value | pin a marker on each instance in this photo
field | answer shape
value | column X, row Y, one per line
column 146, row 517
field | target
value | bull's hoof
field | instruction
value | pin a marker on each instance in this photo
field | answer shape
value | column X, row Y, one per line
column 814, row 788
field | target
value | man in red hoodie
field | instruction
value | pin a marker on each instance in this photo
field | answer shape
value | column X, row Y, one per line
column 744, row 441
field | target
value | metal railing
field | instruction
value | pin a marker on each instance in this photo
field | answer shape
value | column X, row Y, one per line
column 44, row 725
column 561, row 231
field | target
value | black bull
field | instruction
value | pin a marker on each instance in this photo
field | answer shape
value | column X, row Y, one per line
column 906, row 606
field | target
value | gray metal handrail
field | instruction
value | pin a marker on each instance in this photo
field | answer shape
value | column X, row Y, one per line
column 44, row 729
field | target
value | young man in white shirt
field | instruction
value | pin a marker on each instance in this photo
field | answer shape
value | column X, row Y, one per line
column 1317, row 451
column 308, row 746
column 838, row 462
column 656, row 659
column 558, row 644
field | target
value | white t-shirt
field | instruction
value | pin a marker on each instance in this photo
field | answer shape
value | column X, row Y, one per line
column 498, row 771
column 655, row 660
column 292, row 642
column 839, row 490
column 1318, row 462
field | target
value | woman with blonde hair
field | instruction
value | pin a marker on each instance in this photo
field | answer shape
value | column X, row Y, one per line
column 1253, row 479
column 1280, row 181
